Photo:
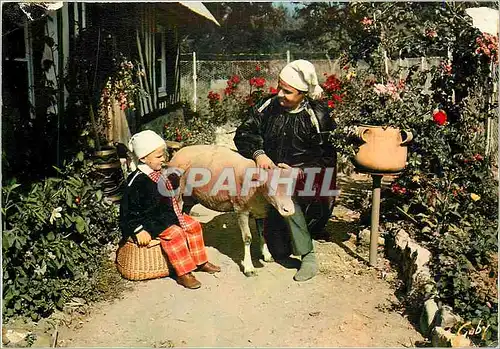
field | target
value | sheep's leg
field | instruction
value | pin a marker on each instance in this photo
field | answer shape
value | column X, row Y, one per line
column 266, row 255
column 248, row 268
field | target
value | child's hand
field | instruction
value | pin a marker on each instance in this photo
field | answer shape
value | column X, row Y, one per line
column 143, row 238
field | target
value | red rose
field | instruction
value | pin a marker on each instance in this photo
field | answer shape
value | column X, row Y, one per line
column 478, row 157
column 257, row 68
column 235, row 79
column 260, row 82
column 257, row 82
column 331, row 84
column 273, row 90
column 331, row 104
column 213, row 96
column 395, row 188
column 440, row 117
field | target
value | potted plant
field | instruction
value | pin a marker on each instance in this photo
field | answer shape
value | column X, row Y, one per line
column 373, row 113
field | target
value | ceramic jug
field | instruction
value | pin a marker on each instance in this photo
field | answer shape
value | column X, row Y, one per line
column 383, row 150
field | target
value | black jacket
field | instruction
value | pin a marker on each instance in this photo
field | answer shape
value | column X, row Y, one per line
column 143, row 205
column 287, row 137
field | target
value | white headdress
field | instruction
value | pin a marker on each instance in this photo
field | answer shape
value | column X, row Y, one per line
column 144, row 143
column 301, row 75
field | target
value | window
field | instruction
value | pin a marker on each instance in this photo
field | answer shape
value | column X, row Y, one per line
column 18, row 66
column 161, row 62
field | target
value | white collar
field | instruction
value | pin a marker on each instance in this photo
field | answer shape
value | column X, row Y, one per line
column 299, row 108
column 145, row 169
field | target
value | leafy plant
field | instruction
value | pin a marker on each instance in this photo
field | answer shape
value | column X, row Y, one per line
column 359, row 97
column 178, row 134
column 197, row 129
column 55, row 235
column 231, row 104
column 122, row 86
column 447, row 196
column 201, row 131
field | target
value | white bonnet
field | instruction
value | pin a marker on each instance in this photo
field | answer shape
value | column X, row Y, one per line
column 301, row 75
column 144, row 143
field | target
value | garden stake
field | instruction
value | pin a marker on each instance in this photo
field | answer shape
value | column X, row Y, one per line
column 377, row 179
column 195, row 98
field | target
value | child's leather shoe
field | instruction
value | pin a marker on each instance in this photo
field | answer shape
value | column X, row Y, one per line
column 189, row 281
column 209, row 268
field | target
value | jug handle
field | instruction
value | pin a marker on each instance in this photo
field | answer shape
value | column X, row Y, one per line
column 361, row 133
column 409, row 137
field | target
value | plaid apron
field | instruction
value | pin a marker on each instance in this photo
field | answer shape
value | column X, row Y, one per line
column 183, row 244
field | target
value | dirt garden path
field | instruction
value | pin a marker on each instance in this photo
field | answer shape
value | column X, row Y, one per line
column 347, row 304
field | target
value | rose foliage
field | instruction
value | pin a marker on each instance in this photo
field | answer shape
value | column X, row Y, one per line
column 238, row 95
column 446, row 198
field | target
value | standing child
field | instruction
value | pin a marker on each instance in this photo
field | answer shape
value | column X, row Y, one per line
column 146, row 214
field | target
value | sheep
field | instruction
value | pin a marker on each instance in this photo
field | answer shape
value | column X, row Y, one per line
column 231, row 182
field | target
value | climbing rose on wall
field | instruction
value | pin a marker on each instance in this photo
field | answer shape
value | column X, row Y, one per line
column 122, row 86
column 488, row 45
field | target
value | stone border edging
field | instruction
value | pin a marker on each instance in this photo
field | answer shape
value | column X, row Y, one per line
column 412, row 260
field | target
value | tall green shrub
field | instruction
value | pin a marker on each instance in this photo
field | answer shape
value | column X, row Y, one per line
column 55, row 235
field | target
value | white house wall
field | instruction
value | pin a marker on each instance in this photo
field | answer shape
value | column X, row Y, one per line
column 61, row 38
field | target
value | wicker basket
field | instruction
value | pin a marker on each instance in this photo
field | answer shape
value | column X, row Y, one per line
column 141, row 263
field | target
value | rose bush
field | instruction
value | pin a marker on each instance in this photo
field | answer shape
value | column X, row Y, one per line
column 231, row 105
column 196, row 129
column 447, row 196
column 178, row 134
column 363, row 97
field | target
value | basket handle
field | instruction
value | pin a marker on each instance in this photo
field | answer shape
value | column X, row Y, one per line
column 153, row 243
